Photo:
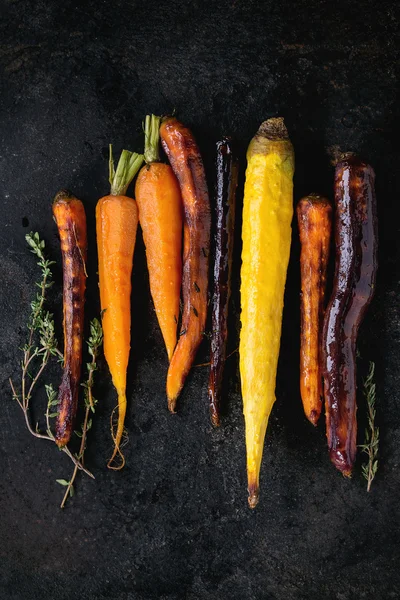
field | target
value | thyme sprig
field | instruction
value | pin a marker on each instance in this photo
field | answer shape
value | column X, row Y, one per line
column 41, row 345
column 371, row 445
column 95, row 342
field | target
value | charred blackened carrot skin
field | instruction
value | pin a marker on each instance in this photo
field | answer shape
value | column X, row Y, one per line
column 227, row 173
column 184, row 156
column 70, row 217
column 314, row 214
column 353, row 289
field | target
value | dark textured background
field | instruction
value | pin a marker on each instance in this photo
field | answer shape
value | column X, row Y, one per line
column 175, row 523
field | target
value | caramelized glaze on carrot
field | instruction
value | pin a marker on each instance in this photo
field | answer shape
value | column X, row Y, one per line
column 70, row 217
column 314, row 214
column 225, row 195
column 184, row 156
column 353, row 289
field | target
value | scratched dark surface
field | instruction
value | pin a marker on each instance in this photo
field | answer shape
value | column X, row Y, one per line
column 175, row 523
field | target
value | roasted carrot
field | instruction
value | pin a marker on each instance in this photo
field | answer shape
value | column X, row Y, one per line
column 225, row 195
column 314, row 214
column 356, row 242
column 266, row 234
column 160, row 215
column 70, row 217
column 184, row 156
column 116, row 225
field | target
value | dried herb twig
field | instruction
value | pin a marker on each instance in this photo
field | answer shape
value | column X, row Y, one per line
column 94, row 344
column 40, row 347
column 371, row 445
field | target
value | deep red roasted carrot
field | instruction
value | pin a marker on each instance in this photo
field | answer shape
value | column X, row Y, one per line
column 70, row 217
column 184, row 156
column 354, row 286
column 314, row 214
column 227, row 172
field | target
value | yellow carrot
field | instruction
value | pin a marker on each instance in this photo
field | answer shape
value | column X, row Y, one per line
column 266, row 234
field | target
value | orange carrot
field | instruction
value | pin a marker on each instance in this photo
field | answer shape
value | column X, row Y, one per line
column 184, row 156
column 314, row 214
column 116, row 225
column 160, row 215
column 70, row 217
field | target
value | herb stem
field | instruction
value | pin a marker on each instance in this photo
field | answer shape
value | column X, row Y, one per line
column 94, row 343
column 371, row 445
column 81, row 457
column 45, row 360
column 40, row 325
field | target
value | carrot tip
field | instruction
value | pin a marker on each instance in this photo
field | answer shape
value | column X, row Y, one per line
column 342, row 462
column 273, row 129
column 116, row 467
column 253, row 498
column 313, row 417
column 63, row 195
column 215, row 419
column 172, row 405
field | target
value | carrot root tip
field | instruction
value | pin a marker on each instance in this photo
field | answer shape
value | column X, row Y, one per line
column 117, row 467
column 215, row 419
column 253, row 499
column 172, row 406
column 313, row 417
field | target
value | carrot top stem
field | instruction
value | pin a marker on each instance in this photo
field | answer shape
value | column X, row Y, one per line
column 151, row 138
column 128, row 165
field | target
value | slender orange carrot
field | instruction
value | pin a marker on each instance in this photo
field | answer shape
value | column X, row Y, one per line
column 314, row 214
column 70, row 217
column 116, row 225
column 184, row 156
column 160, row 215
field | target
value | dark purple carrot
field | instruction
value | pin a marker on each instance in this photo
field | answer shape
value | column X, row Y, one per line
column 70, row 217
column 353, row 289
column 227, row 173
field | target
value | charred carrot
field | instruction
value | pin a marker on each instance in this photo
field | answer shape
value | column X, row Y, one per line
column 356, row 264
column 266, row 234
column 184, row 156
column 116, row 225
column 314, row 214
column 70, row 217
column 227, row 172
column 160, row 215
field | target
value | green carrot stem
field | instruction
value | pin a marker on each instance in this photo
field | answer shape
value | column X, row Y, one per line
column 128, row 165
column 151, row 138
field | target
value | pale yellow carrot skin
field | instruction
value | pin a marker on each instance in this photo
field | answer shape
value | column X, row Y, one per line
column 266, row 235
